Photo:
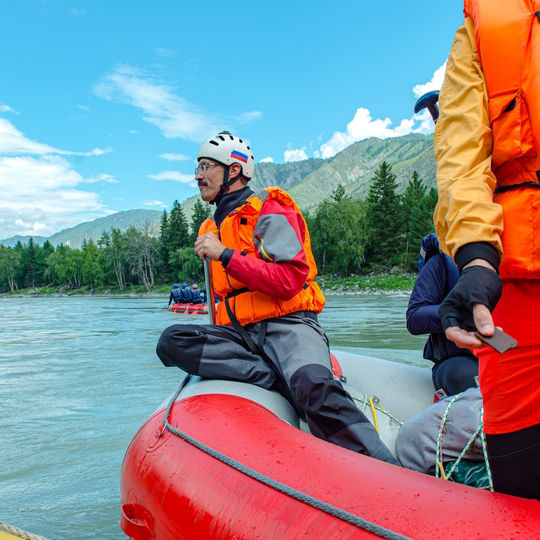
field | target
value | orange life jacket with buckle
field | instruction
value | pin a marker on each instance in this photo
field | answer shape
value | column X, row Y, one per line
column 507, row 37
column 236, row 232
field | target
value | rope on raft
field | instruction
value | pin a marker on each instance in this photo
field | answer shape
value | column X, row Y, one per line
column 283, row 488
column 439, row 469
column 15, row 531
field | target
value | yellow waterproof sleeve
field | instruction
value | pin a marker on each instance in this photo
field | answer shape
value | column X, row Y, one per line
column 463, row 143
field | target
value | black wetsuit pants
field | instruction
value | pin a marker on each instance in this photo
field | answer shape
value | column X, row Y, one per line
column 297, row 348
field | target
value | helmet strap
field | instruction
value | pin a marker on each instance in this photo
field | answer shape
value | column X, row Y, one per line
column 225, row 184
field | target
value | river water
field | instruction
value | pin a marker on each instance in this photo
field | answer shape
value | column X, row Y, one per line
column 79, row 375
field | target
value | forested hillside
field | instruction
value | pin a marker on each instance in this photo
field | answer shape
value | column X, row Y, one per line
column 348, row 236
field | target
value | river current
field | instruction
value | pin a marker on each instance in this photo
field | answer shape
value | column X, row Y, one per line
column 79, row 375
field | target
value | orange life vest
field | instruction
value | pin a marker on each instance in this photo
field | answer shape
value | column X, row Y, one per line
column 236, row 232
column 507, row 35
column 508, row 41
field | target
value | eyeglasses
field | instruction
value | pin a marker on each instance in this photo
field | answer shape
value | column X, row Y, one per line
column 203, row 167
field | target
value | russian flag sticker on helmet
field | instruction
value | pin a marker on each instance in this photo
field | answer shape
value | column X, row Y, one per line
column 235, row 154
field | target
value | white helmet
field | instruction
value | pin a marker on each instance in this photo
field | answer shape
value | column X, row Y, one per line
column 228, row 149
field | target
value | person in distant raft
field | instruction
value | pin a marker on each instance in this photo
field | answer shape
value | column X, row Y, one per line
column 487, row 144
column 455, row 369
column 186, row 294
column 196, row 297
column 267, row 331
column 176, row 295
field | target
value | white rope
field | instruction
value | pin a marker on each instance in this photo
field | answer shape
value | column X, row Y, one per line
column 19, row 532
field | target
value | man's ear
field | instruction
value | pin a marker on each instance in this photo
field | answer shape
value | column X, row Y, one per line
column 234, row 170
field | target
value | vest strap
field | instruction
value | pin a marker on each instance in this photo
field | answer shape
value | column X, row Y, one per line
column 503, row 189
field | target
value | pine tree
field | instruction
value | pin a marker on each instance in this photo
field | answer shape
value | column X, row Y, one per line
column 412, row 198
column 30, row 264
column 163, row 264
column 178, row 231
column 421, row 223
column 384, row 219
column 200, row 213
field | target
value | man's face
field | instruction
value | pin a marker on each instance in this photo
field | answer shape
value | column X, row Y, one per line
column 209, row 178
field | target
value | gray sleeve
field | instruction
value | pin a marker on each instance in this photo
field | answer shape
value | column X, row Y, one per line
column 275, row 239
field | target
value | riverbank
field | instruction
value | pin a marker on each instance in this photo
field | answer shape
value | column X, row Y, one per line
column 394, row 284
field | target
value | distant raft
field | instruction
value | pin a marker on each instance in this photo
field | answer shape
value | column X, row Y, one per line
column 187, row 308
column 228, row 460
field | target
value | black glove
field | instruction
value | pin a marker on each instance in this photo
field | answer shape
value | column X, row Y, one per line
column 476, row 285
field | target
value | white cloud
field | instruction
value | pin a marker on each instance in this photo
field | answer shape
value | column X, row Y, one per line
column 39, row 196
column 295, row 154
column 175, row 176
column 161, row 204
column 6, row 108
column 165, row 53
column 173, row 115
column 267, row 160
column 102, row 177
column 363, row 126
column 248, row 117
column 174, row 157
column 39, row 187
column 434, row 84
column 13, row 142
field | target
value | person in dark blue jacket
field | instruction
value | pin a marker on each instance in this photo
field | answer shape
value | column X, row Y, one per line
column 455, row 369
column 176, row 294
column 196, row 294
column 187, row 296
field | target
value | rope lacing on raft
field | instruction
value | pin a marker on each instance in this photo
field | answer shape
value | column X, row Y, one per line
column 279, row 486
column 4, row 527
column 439, row 469
column 374, row 404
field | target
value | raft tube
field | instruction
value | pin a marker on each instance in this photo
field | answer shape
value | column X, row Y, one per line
column 190, row 309
column 238, row 463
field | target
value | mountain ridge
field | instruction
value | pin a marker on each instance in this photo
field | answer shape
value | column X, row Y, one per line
column 309, row 182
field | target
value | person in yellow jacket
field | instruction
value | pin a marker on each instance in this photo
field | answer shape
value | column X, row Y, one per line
column 487, row 140
column 267, row 332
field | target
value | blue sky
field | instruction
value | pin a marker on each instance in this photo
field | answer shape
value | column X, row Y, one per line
column 103, row 104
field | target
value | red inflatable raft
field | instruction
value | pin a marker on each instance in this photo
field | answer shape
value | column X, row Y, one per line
column 234, row 461
column 190, row 309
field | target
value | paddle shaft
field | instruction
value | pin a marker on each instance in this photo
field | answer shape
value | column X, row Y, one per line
column 209, row 292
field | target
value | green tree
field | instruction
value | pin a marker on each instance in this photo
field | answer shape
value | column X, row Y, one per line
column 42, row 255
column 189, row 267
column 142, row 255
column 200, row 213
column 65, row 267
column 20, row 272
column 338, row 234
column 178, row 231
column 92, row 270
column 114, row 251
column 384, row 220
column 29, row 264
column 412, row 198
column 421, row 223
column 164, row 242
column 10, row 261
